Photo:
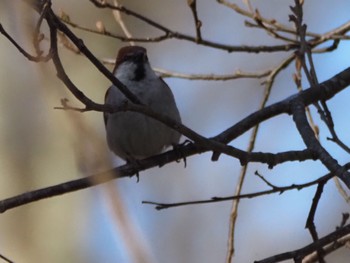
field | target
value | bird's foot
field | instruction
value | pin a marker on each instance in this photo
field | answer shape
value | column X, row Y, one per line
column 136, row 164
column 177, row 147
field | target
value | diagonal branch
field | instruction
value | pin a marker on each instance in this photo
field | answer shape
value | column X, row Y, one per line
column 299, row 254
column 56, row 24
column 30, row 57
column 325, row 91
column 306, row 132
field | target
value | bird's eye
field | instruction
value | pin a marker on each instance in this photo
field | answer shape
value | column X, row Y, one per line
column 128, row 57
column 136, row 57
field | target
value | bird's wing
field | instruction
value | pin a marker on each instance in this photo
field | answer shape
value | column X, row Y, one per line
column 105, row 114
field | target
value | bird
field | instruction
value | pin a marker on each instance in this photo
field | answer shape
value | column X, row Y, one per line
column 132, row 135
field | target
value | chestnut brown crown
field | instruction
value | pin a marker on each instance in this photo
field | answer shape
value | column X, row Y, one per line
column 135, row 54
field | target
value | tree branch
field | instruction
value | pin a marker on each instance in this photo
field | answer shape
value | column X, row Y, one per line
column 314, row 145
column 275, row 189
column 299, row 254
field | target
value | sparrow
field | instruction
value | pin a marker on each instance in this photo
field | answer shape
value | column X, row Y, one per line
column 132, row 135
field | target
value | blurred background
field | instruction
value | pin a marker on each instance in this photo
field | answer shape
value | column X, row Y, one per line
column 41, row 146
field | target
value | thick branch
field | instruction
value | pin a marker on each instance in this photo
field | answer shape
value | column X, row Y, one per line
column 314, row 145
column 325, row 91
column 299, row 254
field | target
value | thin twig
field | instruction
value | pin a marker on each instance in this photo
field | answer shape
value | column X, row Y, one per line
column 118, row 17
column 279, row 190
column 310, row 224
column 238, row 74
column 197, row 23
column 268, row 86
column 37, row 36
column 173, row 34
column 234, row 209
column 212, row 77
column 250, row 148
column 107, row 33
column 22, row 51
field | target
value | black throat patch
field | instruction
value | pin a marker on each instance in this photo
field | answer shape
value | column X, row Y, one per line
column 139, row 71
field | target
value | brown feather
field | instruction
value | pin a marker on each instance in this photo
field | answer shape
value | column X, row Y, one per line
column 124, row 52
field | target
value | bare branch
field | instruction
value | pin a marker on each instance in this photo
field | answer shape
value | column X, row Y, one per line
column 275, row 189
column 173, row 34
column 310, row 224
column 198, row 24
column 212, row 77
column 38, row 58
column 6, row 259
column 118, row 17
column 107, row 33
column 299, row 254
column 238, row 74
column 324, row 91
column 313, row 144
column 328, row 249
